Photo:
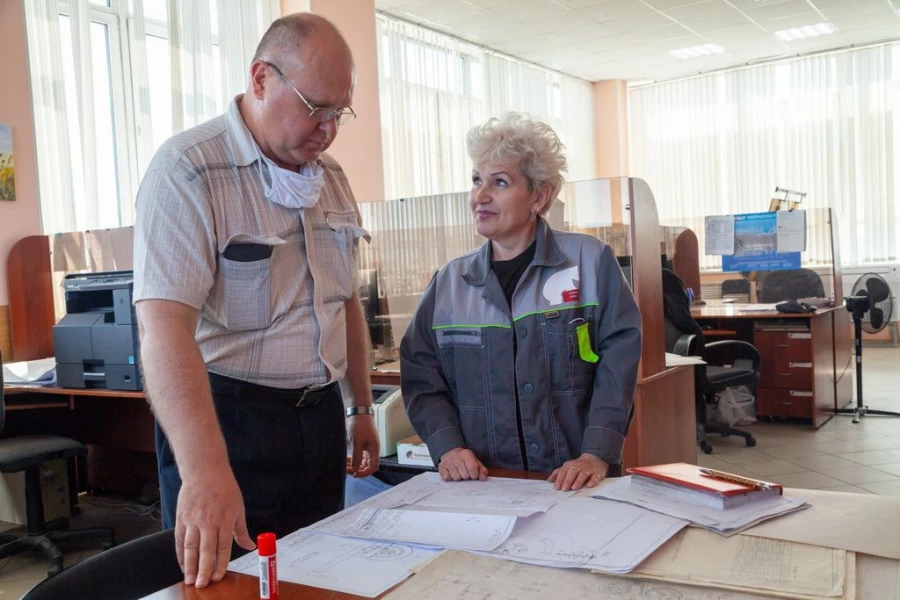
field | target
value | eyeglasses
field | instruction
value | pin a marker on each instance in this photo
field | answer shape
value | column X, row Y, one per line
column 341, row 116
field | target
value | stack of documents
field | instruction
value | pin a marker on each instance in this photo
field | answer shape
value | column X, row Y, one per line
column 707, row 487
column 725, row 522
column 525, row 521
column 31, row 372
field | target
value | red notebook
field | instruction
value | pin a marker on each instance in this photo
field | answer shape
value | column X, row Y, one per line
column 689, row 476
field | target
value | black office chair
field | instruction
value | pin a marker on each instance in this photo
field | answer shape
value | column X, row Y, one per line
column 791, row 285
column 731, row 287
column 27, row 453
column 685, row 337
column 133, row 570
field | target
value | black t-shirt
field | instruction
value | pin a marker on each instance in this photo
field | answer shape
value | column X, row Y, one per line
column 509, row 272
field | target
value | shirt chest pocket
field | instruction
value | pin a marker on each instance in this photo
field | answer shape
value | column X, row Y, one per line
column 570, row 360
column 343, row 232
column 242, row 294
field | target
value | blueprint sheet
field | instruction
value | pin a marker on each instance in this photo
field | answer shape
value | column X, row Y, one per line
column 345, row 565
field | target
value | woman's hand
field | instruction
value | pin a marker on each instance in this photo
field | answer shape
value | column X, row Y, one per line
column 586, row 470
column 459, row 464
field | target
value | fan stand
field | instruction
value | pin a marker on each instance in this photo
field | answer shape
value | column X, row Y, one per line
column 861, row 410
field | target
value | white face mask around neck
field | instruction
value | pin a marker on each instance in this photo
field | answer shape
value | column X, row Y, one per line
column 292, row 189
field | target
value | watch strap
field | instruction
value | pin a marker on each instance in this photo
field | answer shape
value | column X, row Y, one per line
column 360, row 410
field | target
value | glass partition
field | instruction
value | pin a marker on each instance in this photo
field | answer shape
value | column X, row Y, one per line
column 414, row 237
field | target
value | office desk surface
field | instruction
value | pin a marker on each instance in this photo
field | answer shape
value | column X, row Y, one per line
column 11, row 390
column 236, row 586
column 733, row 311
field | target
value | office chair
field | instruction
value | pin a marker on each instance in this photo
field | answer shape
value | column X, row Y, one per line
column 685, row 337
column 27, row 453
column 731, row 287
column 791, row 285
column 133, row 570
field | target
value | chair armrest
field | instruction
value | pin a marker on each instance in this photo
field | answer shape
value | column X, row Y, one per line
column 686, row 345
column 729, row 351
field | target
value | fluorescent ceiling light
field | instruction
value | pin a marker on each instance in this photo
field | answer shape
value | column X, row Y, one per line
column 808, row 31
column 695, row 51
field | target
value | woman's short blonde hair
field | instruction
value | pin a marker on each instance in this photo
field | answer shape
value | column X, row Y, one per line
column 520, row 139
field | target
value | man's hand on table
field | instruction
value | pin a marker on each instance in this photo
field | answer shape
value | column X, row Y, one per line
column 210, row 513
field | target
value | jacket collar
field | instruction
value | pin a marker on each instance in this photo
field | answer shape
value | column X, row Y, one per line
column 546, row 254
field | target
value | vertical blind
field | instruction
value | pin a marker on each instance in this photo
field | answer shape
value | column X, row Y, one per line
column 434, row 88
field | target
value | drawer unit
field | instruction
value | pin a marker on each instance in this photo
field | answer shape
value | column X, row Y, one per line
column 786, row 374
column 781, row 403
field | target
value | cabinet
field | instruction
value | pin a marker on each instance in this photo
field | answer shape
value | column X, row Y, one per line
column 799, row 353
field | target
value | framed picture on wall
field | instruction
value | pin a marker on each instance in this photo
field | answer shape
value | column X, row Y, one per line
column 7, row 164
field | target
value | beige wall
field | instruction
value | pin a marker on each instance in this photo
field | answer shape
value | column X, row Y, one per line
column 22, row 217
column 358, row 146
column 611, row 128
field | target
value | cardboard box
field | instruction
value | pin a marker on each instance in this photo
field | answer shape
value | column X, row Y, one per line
column 411, row 451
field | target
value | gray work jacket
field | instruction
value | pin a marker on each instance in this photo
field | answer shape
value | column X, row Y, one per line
column 572, row 306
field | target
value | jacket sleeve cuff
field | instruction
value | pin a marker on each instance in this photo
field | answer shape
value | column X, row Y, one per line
column 604, row 443
column 442, row 441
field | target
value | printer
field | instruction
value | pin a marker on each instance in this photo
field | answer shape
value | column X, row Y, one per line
column 391, row 420
column 96, row 343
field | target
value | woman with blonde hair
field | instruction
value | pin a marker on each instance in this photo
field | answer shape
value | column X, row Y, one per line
column 523, row 354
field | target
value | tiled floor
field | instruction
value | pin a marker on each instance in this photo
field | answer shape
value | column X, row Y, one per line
column 840, row 456
column 20, row 573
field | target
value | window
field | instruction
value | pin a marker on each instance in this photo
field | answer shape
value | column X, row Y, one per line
column 106, row 95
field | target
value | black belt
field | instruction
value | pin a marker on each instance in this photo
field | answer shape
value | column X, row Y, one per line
column 310, row 395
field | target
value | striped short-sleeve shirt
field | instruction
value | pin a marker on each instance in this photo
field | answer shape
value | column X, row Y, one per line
column 270, row 282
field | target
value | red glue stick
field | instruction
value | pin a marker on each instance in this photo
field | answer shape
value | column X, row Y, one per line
column 268, row 570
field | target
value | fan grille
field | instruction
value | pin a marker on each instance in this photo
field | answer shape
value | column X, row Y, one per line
column 862, row 287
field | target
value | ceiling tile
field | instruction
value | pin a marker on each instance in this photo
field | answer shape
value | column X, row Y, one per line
column 669, row 4
column 618, row 9
column 591, row 32
column 559, row 23
column 687, row 41
column 637, row 22
column 435, row 10
column 792, row 22
column 877, row 8
column 704, row 23
column 779, row 10
column 392, row 4
column 578, row 4
column 707, row 7
column 603, row 43
column 658, row 34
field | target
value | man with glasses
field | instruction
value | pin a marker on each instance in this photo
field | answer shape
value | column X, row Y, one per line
column 245, row 288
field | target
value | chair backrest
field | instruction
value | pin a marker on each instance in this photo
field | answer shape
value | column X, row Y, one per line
column 791, row 285
column 735, row 286
column 133, row 570
column 677, row 310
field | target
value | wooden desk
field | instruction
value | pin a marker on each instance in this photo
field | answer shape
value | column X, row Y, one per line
column 237, row 586
column 115, row 425
column 803, row 358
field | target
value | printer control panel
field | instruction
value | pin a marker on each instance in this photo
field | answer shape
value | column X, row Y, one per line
column 86, row 282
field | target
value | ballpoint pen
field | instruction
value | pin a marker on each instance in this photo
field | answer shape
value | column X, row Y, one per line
column 760, row 485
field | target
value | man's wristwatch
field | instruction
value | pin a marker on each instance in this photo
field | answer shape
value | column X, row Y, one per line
column 352, row 411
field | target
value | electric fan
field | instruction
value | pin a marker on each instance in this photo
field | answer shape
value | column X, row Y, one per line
column 871, row 305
